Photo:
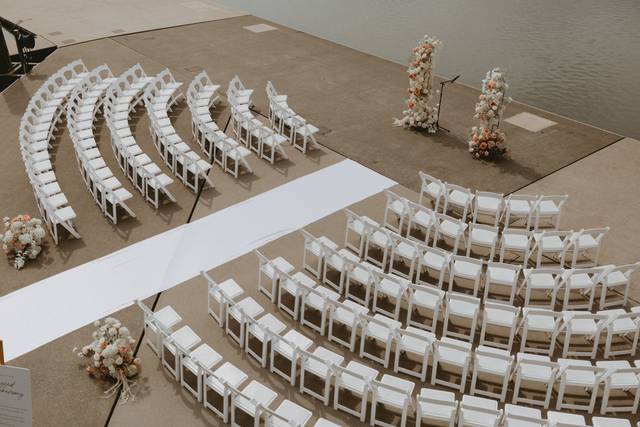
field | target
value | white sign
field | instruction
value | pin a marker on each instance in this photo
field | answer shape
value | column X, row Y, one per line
column 15, row 397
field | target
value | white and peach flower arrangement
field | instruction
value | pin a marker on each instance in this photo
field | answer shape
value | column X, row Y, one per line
column 22, row 239
column 487, row 141
column 419, row 114
column 110, row 357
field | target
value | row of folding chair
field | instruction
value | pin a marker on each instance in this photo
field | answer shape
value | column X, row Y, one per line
column 82, row 107
column 539, row 247
column 37, row 131
column 224, row 151
column 161, row 94
column 287, row 122
column 216, row 383
column 368, row 246
column 493, row 371
column 442, row 408
column 288, row 353
column 121, row 99
column 249, row 130
column 516, row 210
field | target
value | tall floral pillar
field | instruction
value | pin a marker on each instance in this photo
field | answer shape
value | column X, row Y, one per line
column 487, row 141
column 419, row 114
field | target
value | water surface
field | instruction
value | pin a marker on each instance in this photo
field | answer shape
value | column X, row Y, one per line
column 577, row 58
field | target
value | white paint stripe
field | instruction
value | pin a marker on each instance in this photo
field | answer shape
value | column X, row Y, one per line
column 57, row 305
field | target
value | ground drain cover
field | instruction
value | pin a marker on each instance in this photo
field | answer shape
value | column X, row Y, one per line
column 260, row 28
column 530, row 122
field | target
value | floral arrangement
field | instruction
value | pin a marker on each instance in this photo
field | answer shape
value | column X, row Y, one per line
column 419, row 114
column 110, row 356
column 22, row 239
column 486, row 140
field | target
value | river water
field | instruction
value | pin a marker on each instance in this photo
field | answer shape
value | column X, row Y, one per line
column 577, row 58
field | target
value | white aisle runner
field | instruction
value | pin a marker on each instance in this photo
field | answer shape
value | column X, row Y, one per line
column 57, row 305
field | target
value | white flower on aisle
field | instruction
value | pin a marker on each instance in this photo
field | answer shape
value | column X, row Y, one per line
column 419, row 114
column 22, row 239
column 110, row 356
column 487, row 141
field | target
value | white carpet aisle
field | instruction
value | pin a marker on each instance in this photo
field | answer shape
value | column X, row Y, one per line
column 57, row 305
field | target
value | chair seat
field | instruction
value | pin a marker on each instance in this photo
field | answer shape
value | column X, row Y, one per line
column 551, row 243
column 269, row 322
column 541, row 281
column 392, row 397
column 539, row 322
column 249, row 306
column 406, row 250
column 57, row 200
column 519, row 207
column 495, row 365
column 515, row 241
column 505, row 276
column 466, row 269
column 328, row 357
column 356, row 384
column 398, row 207
column 500, row 317
column 450, row 228
column 581, row 326
column 229, row 287
column 415, row 345
column 436, row 410
column 203, row 355
column 434, row 260
column 488, row 204
column 577, row 377
column 382, row 332
column 294, row 414
column 479, row 235
column 423, row 219
column 280, row 263
column 227, row 373
column 548, row 207
column 462, row 308
column 392, row 288
column 65, row 214
column 534, row 372
column 454, row 356
column 296, row 339
column 318, row 302
column 315, row 246
column 430, row 300
column 622, row 380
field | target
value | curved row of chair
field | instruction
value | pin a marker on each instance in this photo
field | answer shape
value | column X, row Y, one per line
column 523, row 210
column 201, row 371
column 37, row 130
column 161, row 94
column 121, row 100
column 547, row 287
column 224, row 151
column 106, row 190
column 244, row 323
column 285, row 120
column 248, row 129
column 539, row 247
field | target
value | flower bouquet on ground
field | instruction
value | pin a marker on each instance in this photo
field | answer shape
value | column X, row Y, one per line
column 110, row 357
column 419, row 114
column 487, row 141
column 22, row 239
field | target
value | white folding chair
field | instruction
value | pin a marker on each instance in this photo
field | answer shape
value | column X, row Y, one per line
column 315, row 306
column 420, row 226
column 155, row 322
column 175, row 346
column 389, row 293
column 237, row 315
column 491, row 370
column 359, row 282
column 288, row 414
column 585, row 247
column 336, row 267
column 614, row 284
column 453, row 358
column 578, row 384
column 499, row 325
column 396, row 212
column 578, row 288
column 270, row 269
column 314, row 250
column 534, row 378
column 355, row 232
column 434, row 264
column 610, row 422
column 249, row 403
column 425, row 306
column 405, row 256
column 431, row 191
column 344, row 321
column 487, row 206
column 539, row 329
column 520, row 209
column 549, row 208
column 516, row 242
column 563, row 419
column 218, row 295
column 353, row 380
column 194, row 366
column 450, row 231
column 457, row 200
column 522, row 416
column 464, row 310
column 478, row 412
column 285, row 353
column 318, row 366
column 551, row 247
column 624, row 328
column 258, row 336
column 482, row 241
column 413, row 348
column 580, row 332
column 392, row 393
column 436, row 406
column 377, row 246
column 465, row 274
column 291, row 290
column 378, row 335
column 217, row 388
column 621, row 387
column 541, row 287
column 501, row 282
